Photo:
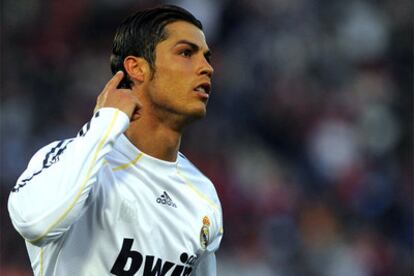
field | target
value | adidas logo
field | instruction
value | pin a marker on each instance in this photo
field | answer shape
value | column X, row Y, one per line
column 166, row 200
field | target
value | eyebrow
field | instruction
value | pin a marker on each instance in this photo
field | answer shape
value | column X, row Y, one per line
column 194, row 47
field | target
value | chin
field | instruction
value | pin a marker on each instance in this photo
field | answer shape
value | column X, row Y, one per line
column 197, row 114
column 200, row 114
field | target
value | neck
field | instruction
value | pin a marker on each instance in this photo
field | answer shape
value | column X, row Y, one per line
column 154, row 138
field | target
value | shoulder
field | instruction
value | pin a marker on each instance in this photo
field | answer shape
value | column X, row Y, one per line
column 205, row 189
column 197, row 180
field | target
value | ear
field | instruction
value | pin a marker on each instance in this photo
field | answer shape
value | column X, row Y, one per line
column 137, row 68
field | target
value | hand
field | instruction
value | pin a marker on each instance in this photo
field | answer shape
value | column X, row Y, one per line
column 122, row 99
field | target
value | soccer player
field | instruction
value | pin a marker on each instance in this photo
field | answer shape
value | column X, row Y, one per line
column 119, row 198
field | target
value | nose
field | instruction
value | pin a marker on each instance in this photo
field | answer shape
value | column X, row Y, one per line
column 205, row 68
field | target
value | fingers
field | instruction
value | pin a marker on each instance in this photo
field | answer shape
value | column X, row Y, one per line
column 111, row 85
column 122, row 99
column 115, row 80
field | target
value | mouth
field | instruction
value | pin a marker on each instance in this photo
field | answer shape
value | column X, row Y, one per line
column 203, row 89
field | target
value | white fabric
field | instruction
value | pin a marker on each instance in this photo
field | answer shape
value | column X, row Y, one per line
column 82, row 201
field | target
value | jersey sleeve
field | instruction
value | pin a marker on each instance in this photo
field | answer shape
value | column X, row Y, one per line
column 52, row 192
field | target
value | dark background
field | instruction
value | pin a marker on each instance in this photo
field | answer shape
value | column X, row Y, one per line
column 308, row 137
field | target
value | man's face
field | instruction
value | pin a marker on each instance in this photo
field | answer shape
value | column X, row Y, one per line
column 182, row 78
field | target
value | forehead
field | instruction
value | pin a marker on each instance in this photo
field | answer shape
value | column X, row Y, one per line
column 181, row 30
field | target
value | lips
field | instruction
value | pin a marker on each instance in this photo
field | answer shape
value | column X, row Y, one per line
column 204, row 87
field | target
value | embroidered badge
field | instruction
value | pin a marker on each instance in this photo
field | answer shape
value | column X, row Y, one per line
column 205, row 233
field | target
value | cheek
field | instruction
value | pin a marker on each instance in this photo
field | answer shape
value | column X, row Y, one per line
column 173, row 80
column 166, row 88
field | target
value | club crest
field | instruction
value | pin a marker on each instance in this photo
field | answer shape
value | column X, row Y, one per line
column 205, row 233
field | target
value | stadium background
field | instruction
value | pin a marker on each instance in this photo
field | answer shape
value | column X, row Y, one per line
column 308, row 136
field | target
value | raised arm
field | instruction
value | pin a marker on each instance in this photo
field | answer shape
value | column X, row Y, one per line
column 52, row 192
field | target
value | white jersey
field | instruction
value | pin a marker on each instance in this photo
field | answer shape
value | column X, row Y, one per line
column 96, row 205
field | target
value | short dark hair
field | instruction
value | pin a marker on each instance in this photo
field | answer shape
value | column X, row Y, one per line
column 139, row 34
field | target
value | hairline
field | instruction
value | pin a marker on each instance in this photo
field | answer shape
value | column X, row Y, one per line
column 165, row 34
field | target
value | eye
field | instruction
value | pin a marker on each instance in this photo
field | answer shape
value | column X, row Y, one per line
column 186, row 53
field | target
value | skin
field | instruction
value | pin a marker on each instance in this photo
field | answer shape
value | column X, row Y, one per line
column 161, row 105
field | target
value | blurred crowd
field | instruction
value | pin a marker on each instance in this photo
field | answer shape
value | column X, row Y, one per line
column 308, row 137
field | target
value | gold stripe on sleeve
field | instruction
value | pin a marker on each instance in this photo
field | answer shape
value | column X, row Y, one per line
column 41, row 262
column 98, row 149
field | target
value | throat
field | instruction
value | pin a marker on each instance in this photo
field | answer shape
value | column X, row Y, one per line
column 159, row 142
